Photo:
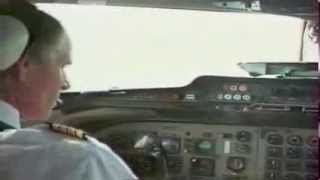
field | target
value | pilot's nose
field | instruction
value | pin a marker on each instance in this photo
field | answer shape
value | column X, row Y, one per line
column 65, row 85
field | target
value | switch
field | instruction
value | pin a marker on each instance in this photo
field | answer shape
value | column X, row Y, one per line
column 271, row 176
column 275, row 151
column 292, row 176
column 311, row 177
column 312, row 153
column 243, row 148
column 293, row 165
column 273, row 164
column 294, row 153
column 312, row 166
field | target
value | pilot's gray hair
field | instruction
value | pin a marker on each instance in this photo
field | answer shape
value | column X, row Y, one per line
column 44, row 30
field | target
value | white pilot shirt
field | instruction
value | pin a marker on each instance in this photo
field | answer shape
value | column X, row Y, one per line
column 41, row 154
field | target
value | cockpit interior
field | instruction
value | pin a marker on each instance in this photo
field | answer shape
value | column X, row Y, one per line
column 262, row 126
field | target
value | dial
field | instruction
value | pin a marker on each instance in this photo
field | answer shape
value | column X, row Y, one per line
column 204, row 147
column 236, row 164
column 171, row 145
column 243, row 136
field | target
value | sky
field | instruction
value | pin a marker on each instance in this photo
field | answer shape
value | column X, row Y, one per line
column 130, row 47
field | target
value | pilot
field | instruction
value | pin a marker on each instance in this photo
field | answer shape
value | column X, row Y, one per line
column 34, row 49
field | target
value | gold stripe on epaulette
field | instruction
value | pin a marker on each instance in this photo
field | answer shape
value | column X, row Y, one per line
column 67, row 130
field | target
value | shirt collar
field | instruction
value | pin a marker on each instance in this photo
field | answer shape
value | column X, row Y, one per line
column 9, row 115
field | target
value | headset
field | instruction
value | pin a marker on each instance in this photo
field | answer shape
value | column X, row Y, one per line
column 14, row 39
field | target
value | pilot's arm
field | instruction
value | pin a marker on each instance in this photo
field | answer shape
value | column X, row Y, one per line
column 104, row 164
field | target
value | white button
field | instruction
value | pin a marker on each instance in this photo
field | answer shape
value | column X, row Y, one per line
column 228, row 96
column 220, row 96
column 246, row 97
column 190, row 97
column 233, row 88
column 237, row 97
column 243, row 88
column 227, row 146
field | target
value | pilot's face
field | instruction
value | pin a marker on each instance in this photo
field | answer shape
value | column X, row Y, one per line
column 43, row 83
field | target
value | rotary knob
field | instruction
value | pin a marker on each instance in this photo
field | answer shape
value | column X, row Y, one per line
column 243, row 136
column 236, row 164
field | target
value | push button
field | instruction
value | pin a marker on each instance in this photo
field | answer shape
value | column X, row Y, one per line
column 294, row 153
column 273, row 164
column 272, row 176
column 274, row 151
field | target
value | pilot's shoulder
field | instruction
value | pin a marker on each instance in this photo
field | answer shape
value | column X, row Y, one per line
column 71, row 133
column 49, row 139
column 99, row 156
column 77, row 136
column 102, row 162
column 69, row 139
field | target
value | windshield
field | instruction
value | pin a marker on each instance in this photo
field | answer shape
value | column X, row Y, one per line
column 132, row 47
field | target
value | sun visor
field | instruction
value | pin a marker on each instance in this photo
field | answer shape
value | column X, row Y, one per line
column 14, row 38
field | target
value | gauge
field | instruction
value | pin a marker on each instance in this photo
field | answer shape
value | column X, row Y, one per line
column 171, row 145
column 204, row 147
column 236, row 164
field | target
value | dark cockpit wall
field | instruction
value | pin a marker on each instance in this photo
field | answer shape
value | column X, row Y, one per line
column 300, row 8
column 221, row 128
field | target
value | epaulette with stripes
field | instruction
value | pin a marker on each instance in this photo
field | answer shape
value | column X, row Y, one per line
column 67, row 130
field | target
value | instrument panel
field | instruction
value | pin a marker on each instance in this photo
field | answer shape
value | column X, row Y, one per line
column 218, row 152
column 215, row 128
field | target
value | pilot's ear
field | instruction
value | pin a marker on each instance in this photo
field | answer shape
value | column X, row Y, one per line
column 20, row 69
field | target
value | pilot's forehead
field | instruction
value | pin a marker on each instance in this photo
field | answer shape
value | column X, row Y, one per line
column 62, row 49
